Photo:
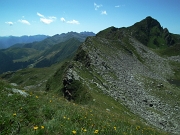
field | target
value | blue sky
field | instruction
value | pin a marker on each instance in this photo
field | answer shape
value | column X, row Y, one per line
column 50, row 17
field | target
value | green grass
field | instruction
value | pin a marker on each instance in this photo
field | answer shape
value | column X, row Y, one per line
column 171, row 51
column 51, row 114
column 176, row 69
column 31, row 76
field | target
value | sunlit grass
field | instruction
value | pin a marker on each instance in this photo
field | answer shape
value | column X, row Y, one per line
column 46, row 113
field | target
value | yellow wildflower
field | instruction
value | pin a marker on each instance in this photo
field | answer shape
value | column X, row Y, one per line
column 35, row 127
column 36, row 96
column 138, row 127
column 74, row 132
column 85, row 130
column 50, row 101
column 114, row 128
column 96, row 131
column 42, row 127
column 14, row 114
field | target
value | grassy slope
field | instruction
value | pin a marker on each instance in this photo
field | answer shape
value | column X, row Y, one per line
column 59, row 52
column 31, row 76
column 52, row 114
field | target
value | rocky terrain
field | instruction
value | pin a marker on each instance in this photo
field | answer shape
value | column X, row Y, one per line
column 132, row 74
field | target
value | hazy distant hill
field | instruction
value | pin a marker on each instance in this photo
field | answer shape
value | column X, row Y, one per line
column 43, row 53
column 58, row 53
column 58, row 38
column 6, row 42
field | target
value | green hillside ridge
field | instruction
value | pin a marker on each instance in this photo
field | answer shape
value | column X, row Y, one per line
column 148, row 31
column 45, row 53
column 121, row 66
column 58, row 52
column 121, row 81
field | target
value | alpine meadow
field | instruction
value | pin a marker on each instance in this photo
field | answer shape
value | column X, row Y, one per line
column 78, row 67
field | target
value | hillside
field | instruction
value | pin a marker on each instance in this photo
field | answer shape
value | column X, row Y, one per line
column 148, row 31
column 44, row 53
column 117, row 82
column 58, row 53
column 124, row 68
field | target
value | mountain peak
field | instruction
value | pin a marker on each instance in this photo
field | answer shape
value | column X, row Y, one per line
column 152, row 22
column 148, row 23
column 150, row 32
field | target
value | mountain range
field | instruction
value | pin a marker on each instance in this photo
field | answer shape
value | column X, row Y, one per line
column 132, row 73
column 46, row 51
column 8, row 41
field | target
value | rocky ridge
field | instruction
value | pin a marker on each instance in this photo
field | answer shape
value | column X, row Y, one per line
column 133, row 75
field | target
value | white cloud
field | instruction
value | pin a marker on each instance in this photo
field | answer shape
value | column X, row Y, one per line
column 62, row 19
column 103, row 12
column 24, row 22
column 73, row 22
column 10, row 23
column 46, row 20
column 97, row 6
column 117, row 6
column 40, row 15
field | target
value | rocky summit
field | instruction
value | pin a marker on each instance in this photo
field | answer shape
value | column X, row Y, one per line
column 131, row 68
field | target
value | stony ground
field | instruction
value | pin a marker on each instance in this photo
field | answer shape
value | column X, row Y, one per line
column 135, row 76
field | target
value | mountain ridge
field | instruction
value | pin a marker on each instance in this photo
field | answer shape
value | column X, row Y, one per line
column 132, row 69
column 148, row 31
column 125, row 68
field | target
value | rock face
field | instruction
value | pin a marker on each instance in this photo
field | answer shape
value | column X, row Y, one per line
column 132, row 74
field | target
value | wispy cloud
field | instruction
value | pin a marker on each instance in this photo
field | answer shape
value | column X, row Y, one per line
column 46, row 20
column 73, row 22
column 62, row 19
column 40, row 15
column 52, row 17
column 117, row 6
column 103, row 12
column 24, row 22
column 9, row 23
column 96, row 6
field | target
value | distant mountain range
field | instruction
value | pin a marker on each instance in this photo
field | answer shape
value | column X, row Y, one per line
column 8, row 41
column 43, row 53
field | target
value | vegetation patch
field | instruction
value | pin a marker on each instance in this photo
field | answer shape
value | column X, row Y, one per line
column 47, row 113
column 77, row 92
